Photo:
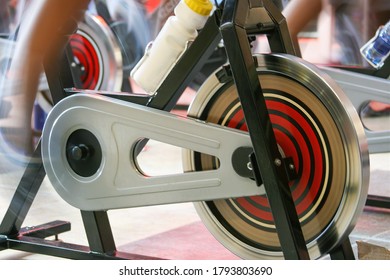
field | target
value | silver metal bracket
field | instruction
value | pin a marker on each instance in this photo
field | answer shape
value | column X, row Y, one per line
column 117, row 182
column 362, row 89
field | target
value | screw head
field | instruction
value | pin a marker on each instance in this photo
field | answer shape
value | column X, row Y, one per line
column 79, row 152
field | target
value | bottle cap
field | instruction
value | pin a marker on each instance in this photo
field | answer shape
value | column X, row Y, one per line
column 201, row 7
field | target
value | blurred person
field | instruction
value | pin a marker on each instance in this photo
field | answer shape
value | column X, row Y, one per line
column 37, row 34
column 298, row 14
column 341, row 37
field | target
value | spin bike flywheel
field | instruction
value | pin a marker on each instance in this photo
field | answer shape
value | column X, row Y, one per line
column 314, row 124
column 97, row 55
column 97, row 61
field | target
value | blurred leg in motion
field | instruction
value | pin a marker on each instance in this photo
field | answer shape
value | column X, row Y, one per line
column 41, row 28
column 298, row 14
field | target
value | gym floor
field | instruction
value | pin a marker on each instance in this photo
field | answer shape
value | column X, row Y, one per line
column 175, row 231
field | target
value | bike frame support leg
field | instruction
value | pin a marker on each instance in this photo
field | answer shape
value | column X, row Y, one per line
column 24, row 195
column 343, row 252
column 98, row 230
column 260, row 129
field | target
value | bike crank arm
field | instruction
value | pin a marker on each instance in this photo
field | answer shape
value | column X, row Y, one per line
column 88, row 150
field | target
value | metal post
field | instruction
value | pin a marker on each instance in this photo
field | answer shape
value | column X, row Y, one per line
column 24, row 195
column 260, row 130
column 343, row 252
column 98, row 230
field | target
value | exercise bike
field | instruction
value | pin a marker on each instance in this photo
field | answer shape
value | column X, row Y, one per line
column 274, row 153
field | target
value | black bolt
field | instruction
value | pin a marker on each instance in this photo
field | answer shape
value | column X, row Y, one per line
column 79, row 152
column 83, row 152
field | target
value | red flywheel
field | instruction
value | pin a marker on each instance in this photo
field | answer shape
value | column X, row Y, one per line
column 312, row 127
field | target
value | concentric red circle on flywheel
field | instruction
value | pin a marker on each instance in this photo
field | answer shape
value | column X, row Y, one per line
column 87, row 55
column 306, row 133
column 298, row 139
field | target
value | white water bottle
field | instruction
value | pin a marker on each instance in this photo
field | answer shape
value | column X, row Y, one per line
column 171, row 42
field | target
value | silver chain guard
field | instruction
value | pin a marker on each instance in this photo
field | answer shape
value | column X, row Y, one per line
column 118, row 183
